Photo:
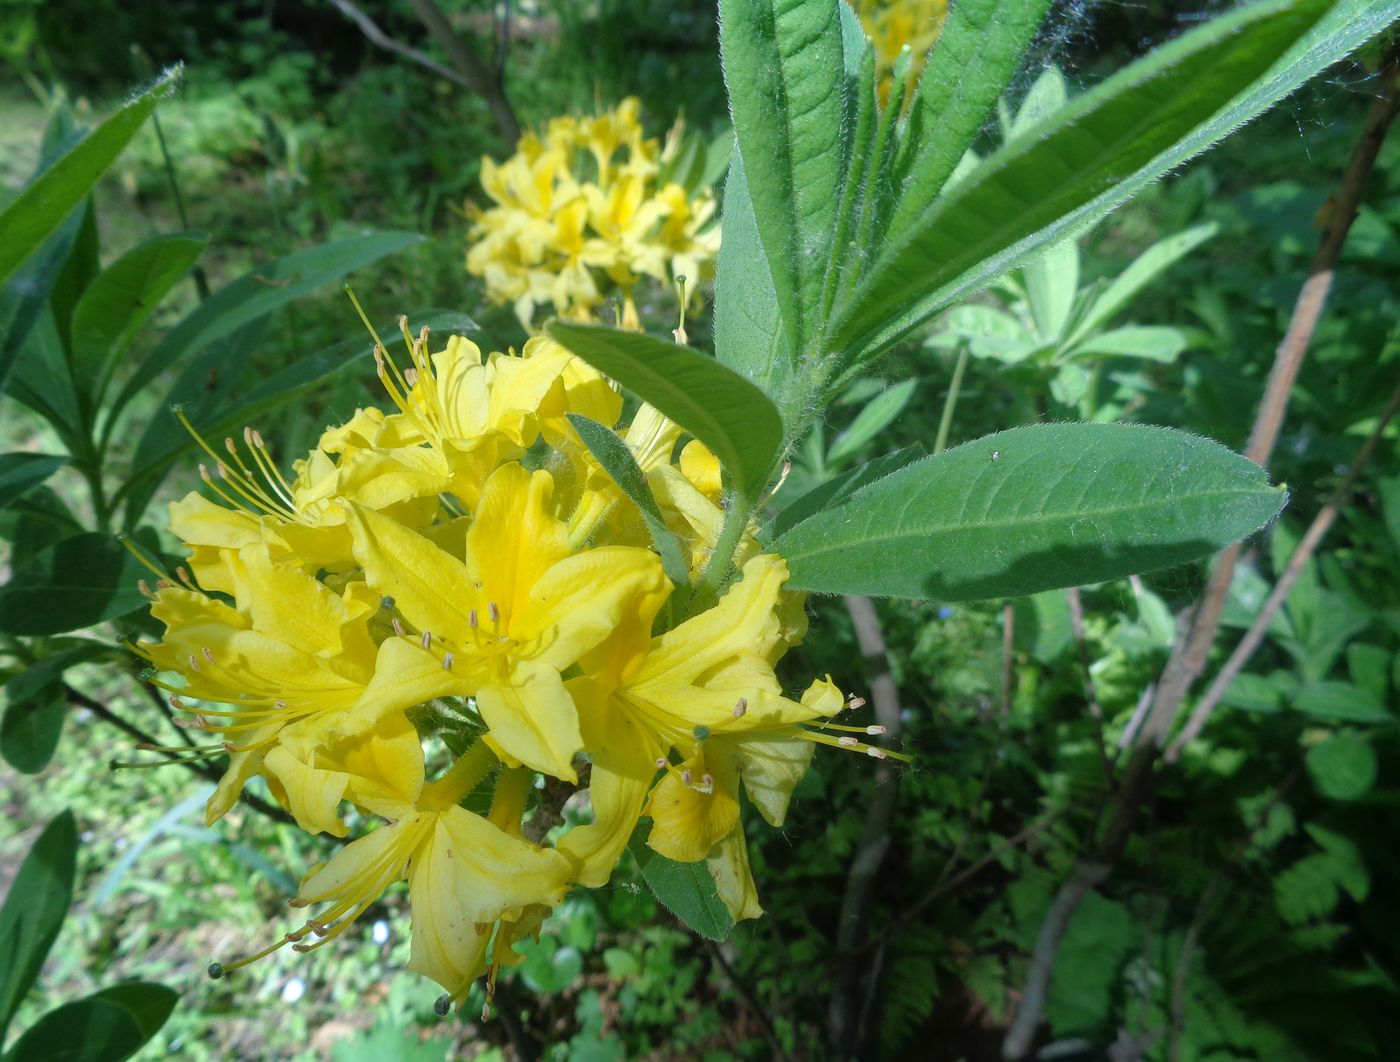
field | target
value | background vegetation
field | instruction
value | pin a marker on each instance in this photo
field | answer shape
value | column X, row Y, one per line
column 1252, row 913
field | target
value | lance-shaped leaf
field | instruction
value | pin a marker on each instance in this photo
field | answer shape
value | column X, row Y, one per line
column 617, row 461
column 978, row 51
column 687, row 889
column 1032, row 509
column 22, row 472
column 256, row 294
column 120, row 299
column 837, row 489
column 784, row 68
column 723, row 410
column 41, row 207
column 74, row 583
column 34, row 911
column 1076, row 165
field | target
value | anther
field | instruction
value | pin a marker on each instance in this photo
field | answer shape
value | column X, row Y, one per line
column 661, row 762
column 494, row 611
column 194, row 666
column 847, row 742
column 257, row 440
column 447, row 661
column 204, row 474
column 874, row 753
column 877, row 729
column 427, row 639
column 411, row 377
column 443, row 1006
column 175, row 701
column 398, row 627
column 472, row 619
column 248, row 436
column 144, row 587
column 207, row 654
column 853, row 702
column 229, row 446
column 686, row 776
column 740, row 707
column 707, row 780
column 183, row 573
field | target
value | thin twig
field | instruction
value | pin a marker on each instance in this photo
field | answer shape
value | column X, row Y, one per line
column 379, row 38
column 1091, row 697
column 750, row 1001
column 844, row 1027
column 1321, row 524
column 1189, row 656
column 478, row 76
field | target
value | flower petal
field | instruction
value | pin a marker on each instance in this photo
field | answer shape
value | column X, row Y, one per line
column 532, row 719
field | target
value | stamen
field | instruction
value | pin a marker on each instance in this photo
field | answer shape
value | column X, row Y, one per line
column 427, row 639
column 662, row 763
column 398, row 627
column 472, row 620
column 875, row 753
column 847, row 742
column 447, row 661
column 740, row 707
column 207, row 654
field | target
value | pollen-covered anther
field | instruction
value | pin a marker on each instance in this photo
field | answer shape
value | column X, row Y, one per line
column 874, row 753
column 473, row 620
column 707, row 781
column 447, row 661
column 411, row 377
column 204, row 474
column 846, row 741
column 661, row 763
column 494, row 611
column 207, row 654
column 194, row 664
column 740, row 707
column 230, row 446
column 427, row 639
column 398, row 627
column 853, row 702
column 145, row 589
column 686, row 776
column 877, row 729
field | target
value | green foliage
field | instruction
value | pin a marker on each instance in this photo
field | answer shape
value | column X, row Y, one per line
column 1030, row 509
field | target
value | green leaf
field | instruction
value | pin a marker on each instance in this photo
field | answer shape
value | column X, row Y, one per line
column 1153, row 342
column 1341, row 702
column 1343, row 767
column 42, row 207
column 72, row 584
column 749, row 334
column 1390, row 506
column 731, row 416
column 148, row 1004
column 686, row 889
column 21, row 472
column 256, row 294
column 89, row 1030
column 834, row 491
column 978, row 51
column 1259, row 693
column 1146, row 268
column 878, row 414
column 1052, row 282
column 1032, row 509
column 229, row 407
column 118, row 302
column 35, row 708
column 617, row 461
column 34, row 911
column 80, row 268
column 1054, row 179
column 784, row 67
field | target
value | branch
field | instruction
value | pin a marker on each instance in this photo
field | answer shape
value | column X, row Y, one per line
column 749, row 999
column 1188, row 658
column 843, row 1026
column 1321, row 524
column 478, row 77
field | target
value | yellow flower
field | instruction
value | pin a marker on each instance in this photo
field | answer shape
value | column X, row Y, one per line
column 464, row 874
column 706, row 691
column 895, row 24
column 513, row 612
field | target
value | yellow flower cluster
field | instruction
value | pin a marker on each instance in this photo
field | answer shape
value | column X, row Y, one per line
column 894, row 24
column 462, row 568
column 584, row 211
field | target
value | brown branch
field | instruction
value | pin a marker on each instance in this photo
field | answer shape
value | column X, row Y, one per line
column 477, row 74
column 1188, row 658
column 843, row 1024
column 1321, row 524
column 379, row 38
column 750, row 1001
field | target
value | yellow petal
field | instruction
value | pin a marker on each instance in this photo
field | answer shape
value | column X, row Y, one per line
column 581, row 599
column 514, row 539
column 772, row 765
column 729, row 866
column 701, row 467
column 404, row 675
column 312, row 794
column 532, row 720
column 623, row 758
column 688, row 823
